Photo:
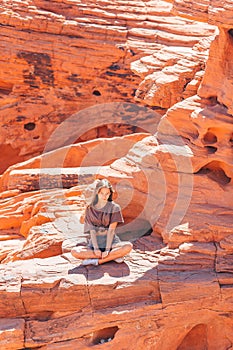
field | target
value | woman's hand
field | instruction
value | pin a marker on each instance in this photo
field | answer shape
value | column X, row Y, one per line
column 105, row 254
column 98, row 253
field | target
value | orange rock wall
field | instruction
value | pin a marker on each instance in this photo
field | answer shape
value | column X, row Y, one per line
column 217, row 81
column 205, row 120
column 174, row 291
column 58, row 58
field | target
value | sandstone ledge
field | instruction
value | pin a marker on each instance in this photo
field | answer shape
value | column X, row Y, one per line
column 64, row 305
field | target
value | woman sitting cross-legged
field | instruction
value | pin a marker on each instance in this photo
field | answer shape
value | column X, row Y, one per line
column 101, row 219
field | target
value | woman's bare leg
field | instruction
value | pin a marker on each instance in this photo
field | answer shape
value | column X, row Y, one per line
column 83, row 253
column 117, row 252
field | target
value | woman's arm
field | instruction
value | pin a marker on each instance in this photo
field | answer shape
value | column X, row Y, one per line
column 110, row 235
column 97, row 251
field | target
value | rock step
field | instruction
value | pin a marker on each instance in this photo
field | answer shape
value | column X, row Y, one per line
column 48, row 178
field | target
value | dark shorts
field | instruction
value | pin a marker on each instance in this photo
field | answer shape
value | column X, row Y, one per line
column 102, row 240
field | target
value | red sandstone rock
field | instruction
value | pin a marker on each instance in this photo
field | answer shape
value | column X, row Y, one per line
column 12, row 333
column 67, row 56
column 64, row 312
column 179, row 182
column 92, row 153
column 170, row 73
column 216, row 83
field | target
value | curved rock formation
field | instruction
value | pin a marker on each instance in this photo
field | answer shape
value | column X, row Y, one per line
column 173, row 181
column 66, row 56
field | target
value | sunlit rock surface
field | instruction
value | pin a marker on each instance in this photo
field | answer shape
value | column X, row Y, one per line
column 58, row 58
column 173, row 175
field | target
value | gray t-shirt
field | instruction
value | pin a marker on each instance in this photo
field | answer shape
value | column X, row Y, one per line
column 96, row 219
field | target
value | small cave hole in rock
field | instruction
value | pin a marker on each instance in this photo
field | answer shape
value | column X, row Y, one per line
column 214, row 170
column 213, row 100
column 231, row 140
column 20, row 118
column 230, row 31
column 211, row 149
column 134, row 92
column 104, row 335
column 196, row 339
column 209, row 137
column 29, row 126
column 96, row 93
column 44, row 315
column 114, row 66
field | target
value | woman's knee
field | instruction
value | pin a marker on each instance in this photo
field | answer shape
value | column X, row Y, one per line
column 128, row 246
column 77, row 250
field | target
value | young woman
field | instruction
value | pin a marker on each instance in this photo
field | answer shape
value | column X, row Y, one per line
column 101, row 219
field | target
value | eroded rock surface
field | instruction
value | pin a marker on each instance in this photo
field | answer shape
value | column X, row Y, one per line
column 58, row 58
column 173, row 181
column 148, row 295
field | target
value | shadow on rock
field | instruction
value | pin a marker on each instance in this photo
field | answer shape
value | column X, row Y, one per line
column 111, row 269
column 149, row 244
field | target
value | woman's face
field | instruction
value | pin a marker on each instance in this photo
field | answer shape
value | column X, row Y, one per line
column 103, row 194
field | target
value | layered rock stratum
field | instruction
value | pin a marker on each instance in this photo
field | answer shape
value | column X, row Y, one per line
column 131, row 92
column 60, row 57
